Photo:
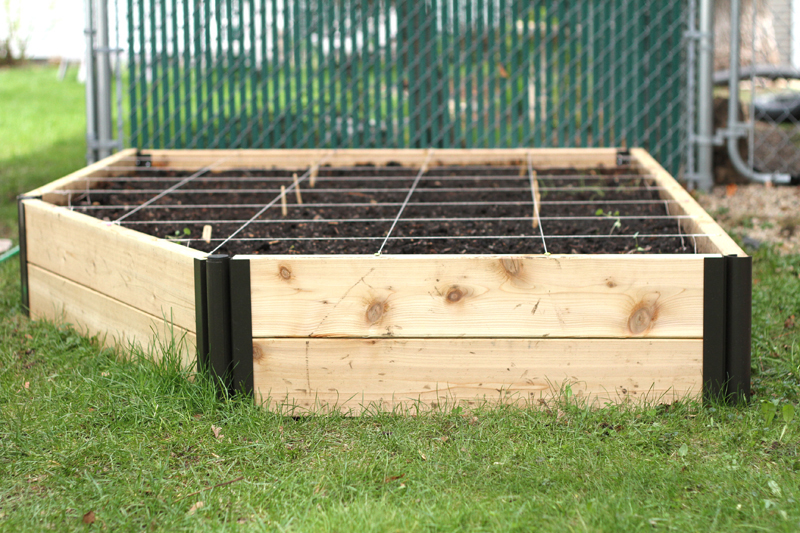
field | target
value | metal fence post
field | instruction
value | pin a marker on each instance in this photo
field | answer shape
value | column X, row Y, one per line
column 103, row 94
column 705, row 97
column 91, row 132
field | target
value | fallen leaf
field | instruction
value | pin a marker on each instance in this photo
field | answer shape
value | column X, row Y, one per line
column 730, row 189
column 197, row 415
column 195, row 507
column 422, row 455
column 27, row 384
column 789, row 323
column 217, row 433
column 27, row 336
column 393, row 478
column 89, row 518
column 683, row 450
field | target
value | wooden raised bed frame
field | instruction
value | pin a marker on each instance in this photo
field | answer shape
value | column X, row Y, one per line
column 346, row 331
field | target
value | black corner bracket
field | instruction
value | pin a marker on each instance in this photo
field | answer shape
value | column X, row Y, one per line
column 727, row 322
column 23, row 252
column 224, row 321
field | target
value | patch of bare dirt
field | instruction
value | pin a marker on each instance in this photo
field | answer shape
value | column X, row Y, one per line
column 758, row 213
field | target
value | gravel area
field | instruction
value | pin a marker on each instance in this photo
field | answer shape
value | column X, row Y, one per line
column 758, row 214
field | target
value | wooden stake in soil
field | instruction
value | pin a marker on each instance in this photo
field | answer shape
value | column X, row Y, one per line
column 312, row 179
column 207, row 234
column 537, row 199
column 284, row 209
column 297, row 189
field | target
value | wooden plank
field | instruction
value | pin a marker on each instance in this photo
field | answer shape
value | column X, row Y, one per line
column 717, row 242
column 477, row 296
column 77, row 180
column 351, row 373
column 232, row 159
column 57, row 299
column 150, row 274
column 297, row 159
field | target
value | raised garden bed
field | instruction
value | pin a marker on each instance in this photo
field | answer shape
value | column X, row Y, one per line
column 400, row 276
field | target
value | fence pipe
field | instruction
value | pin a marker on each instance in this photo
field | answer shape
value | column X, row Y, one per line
column 103, row 95
column 705, row 97
column 91, row 121
column 738, row 129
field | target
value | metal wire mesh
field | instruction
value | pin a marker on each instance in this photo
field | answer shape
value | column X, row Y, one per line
column 403, row 73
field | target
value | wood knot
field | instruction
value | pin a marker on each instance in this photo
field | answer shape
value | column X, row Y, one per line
column 610, row 283
column 512, row 266
column 641, row 319
column 375, row 312
column 285, row 272
column 454, row 294
column 258, row 353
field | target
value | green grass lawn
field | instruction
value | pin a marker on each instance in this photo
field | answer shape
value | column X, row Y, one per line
column 136, row 445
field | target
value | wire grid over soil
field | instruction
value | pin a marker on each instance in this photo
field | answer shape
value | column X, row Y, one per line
column 390, row 209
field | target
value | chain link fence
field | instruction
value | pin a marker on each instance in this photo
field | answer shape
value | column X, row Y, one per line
column 403, row 73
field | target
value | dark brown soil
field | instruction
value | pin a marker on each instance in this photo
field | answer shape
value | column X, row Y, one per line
column 453, row 210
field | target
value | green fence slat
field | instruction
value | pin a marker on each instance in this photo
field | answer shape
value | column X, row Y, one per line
column 629, row 76
column 164, row 103
column 479, row 124
column 151, row 96
column 133, row 83
column 177, row 137
column 377, row 75
column 464, row 73
column 297, row 67
column 526, row 44
column 571, row 67
column 536, row 40
column 390, row 67
column 584, row 71
column 595, row 82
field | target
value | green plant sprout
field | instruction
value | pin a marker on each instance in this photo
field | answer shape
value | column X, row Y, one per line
column 617, row 223
column 179, row 234
column 636, row 241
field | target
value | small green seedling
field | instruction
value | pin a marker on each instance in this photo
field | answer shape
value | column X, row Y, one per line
column 179, row 234
column 636, row 240
column 615, row 214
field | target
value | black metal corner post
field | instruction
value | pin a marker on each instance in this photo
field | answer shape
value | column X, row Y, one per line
column 739, row 311
column 201, row 313
column 727, row 322
column 241, row 326
column 714, row 327
column 218, row 314
column 23, row 252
